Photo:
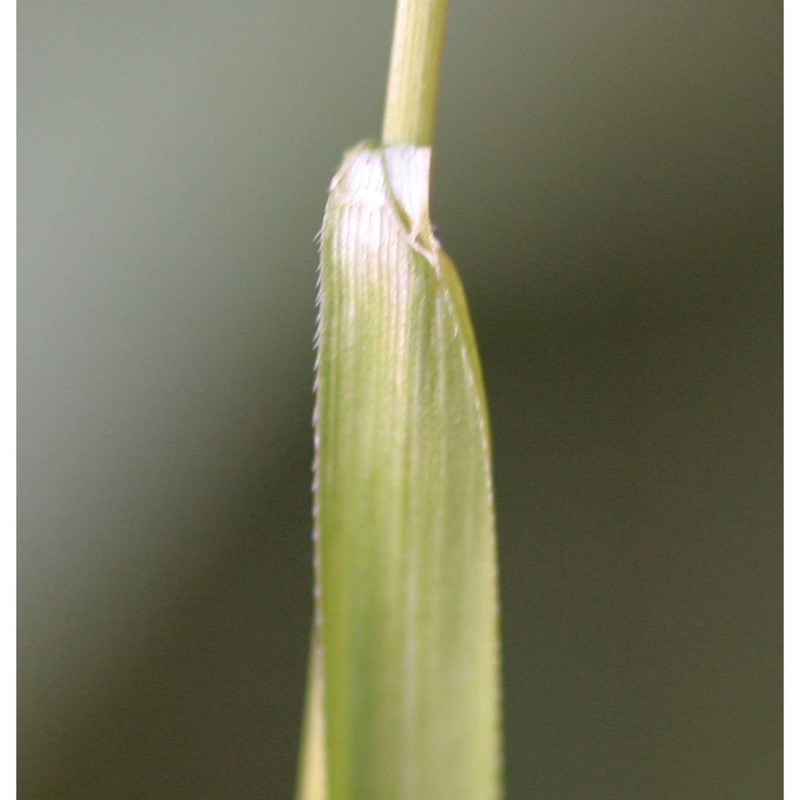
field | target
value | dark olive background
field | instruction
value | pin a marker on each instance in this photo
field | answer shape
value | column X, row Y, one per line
column 607, row 178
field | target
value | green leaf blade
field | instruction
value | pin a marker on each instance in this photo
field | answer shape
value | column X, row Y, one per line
column 407, row 591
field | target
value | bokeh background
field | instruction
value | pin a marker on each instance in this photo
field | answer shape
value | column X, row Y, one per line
column 607, row 178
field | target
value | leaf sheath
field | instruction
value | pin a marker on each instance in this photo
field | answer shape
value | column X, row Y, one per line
column 406, row 600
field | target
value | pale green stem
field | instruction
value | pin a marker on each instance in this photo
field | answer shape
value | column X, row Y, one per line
column 414, row 72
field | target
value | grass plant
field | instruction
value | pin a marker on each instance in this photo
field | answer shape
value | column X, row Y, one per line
column 404, row 680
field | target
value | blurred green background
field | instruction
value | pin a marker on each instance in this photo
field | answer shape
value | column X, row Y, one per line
column 607, row 178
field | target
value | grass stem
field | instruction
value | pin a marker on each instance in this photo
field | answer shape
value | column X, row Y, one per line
column 414, row 69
